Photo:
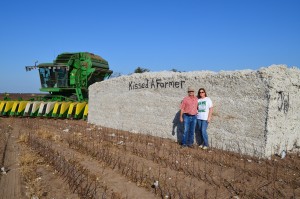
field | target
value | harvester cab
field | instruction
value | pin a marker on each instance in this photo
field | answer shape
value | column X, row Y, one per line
column 70, row 75
column 66, row 80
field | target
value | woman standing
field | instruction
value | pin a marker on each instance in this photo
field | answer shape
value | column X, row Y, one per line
column 205, row 109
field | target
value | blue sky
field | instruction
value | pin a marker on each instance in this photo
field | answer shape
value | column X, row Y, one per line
column 188, row 35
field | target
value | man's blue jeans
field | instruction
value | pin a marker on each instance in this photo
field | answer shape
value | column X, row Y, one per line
column 189, row 129
column 203, row 124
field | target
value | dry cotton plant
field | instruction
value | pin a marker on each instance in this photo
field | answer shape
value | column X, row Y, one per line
column 28, row 164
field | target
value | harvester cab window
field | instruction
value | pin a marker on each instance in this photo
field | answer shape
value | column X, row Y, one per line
column 53, row 77
column 62, row 77
column 44, row 76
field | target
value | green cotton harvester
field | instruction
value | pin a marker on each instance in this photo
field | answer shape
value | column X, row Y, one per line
column 66, row 80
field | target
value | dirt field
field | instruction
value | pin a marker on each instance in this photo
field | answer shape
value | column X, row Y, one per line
column 49, row 158
column 24, row 96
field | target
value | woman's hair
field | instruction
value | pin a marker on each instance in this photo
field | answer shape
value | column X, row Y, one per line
column 201, row 89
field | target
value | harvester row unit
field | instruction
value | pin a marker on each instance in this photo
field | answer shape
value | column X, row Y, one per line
column 55, row 109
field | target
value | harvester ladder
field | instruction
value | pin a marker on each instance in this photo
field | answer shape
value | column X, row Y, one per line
column 79, row 94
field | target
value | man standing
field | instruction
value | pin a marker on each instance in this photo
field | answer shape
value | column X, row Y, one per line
column 188, row 115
